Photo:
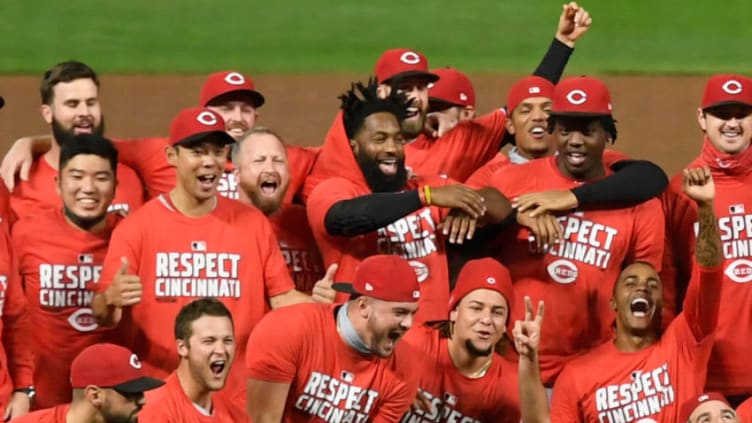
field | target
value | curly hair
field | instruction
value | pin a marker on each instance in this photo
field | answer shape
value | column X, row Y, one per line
column 362, row 101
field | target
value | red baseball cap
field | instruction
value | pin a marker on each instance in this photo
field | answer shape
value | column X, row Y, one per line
column 581, row 96
column 530, row 86
column 727, row 89
column 221, row 83
column 690, row 405
column 485, row 273
column 384, row 277
column 195, row 124
column 402, row 62
column 110, row 366
column 453, row 87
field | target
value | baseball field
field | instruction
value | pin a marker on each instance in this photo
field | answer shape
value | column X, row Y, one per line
column 153, row 55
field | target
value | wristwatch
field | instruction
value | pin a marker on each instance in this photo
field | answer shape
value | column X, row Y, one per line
column 30, row 391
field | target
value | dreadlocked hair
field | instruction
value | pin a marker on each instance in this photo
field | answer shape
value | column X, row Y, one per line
column 362, row 101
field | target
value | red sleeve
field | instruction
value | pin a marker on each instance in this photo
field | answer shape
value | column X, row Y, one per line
column 744, row 412
column 147, row 157
column 276, row 276
column 273, row 352
column 565, row 406
column 648, row 234
column 17, row 329
column 300, row 161
column 125, row 242
column 703, row 301
column 397, row 404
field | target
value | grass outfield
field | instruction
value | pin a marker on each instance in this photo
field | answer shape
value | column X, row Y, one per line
column 304, row 36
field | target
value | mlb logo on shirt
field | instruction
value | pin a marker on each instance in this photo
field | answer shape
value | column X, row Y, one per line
column 198, row 245
column 347, row 376
column 736, row 209
column 85, row 258
column 450, row 399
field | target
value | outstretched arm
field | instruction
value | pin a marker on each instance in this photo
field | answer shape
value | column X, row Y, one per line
column 533, row 399
column 573, row 23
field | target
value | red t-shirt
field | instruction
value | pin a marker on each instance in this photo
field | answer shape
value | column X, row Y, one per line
column 415, row 237
column 728, row 372
column 482, row 176
column 147, row 156
column 329, row 381
column 610, row 386
column 576, row 277
column 169, row 404
column 49, row 415
column 290, row 225
column 454, row 397
column 6, row 214
column 40, row 191
column 58, row 263
column 230, row 254
column 744, row 411
column 456, row 154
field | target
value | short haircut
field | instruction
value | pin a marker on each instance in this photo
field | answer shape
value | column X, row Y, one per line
column 96, row 145
column 362, row 101
column 608, row 123
column 256, row 130
column 194, row 311
column 64, row 72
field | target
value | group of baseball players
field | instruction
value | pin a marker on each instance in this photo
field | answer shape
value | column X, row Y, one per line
column 399, row 272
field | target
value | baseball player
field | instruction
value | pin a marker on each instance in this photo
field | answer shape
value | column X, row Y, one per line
column 470, row 144
column 374, row 207
column 725, row 117
column 191, row 243
column 263, row 173
column 205, row 342
column 451, row 100
column 644, row 373
column 108, row 387
column 70, row 105
column 354, row 368
column 571, row 274
column 229, row 93
column 708, row 407
column 462, row 378
column 60, row 254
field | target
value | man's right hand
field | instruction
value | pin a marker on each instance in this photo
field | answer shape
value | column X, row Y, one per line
column 545, row 228
column 458, row 197
column 17, row 161
column 126, row 289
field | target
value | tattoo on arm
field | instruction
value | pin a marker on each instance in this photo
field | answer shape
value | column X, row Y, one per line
column 708, row 249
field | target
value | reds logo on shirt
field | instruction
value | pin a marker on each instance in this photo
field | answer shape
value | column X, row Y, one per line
column 646, row 395
column 228, row 186
column 334, row 400
column 585, row 242
column 444, row 411
column 198, row 273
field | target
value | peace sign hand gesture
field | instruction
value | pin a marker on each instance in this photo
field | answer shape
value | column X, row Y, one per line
column 527, row 332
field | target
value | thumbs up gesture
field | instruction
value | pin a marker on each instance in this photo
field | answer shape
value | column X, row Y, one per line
column 323, row 291
column 126, row 289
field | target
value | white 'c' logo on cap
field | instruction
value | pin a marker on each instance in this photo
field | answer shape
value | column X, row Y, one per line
column 732, row 86
column 491, row 280
column 410, row 57
column 369, row 287
column 463, row 97
column 577, row 97
column 534, row 90
column 234, row 78
column 135, row 362
column 206, row 118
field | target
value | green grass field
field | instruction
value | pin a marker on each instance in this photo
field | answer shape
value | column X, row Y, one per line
column 303, row 36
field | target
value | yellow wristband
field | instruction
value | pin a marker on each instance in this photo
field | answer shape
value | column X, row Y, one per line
column 427, row 192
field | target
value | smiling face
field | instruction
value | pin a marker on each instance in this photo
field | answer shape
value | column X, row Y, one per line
column 728, row 127
column 528, row 123
column 580, row 142
column 379, row 149
column 386, row 323
column 415, row 88
column 262, row 170
column 86, row 184
column 638, row 300
column 74, row 109
column 238, row 111
column 480, row 321
column 209, row 351
column 199, row 166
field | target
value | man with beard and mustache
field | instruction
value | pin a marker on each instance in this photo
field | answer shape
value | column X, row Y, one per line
column 60, row 253
column 343, row 362
column 229, row 93
column 642, row 373
column 205, row 339
column 461, row 377
column 108, row 387
column 70, row 105
column 459, row 152
column 374, row 207
column 263, row 173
